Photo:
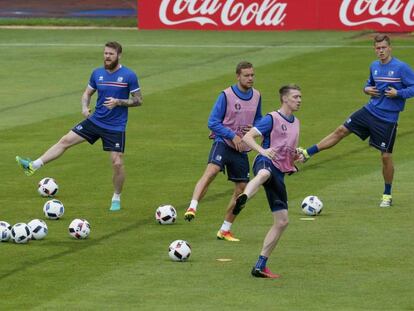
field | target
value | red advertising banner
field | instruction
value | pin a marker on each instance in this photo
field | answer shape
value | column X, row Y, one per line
column 380, row 15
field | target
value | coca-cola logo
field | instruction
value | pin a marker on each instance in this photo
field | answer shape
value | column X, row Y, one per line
column 383, row 12
column 222, row 12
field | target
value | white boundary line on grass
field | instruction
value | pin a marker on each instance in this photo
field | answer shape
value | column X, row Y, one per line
column 195, row 46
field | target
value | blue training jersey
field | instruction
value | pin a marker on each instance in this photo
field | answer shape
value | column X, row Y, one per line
column 215, row 121
column 396, row 74
column 118, row 84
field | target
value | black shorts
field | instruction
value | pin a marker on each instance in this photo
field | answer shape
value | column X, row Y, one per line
column 381, row 133
column 275, row 186
column 111, row 140
column 236, row 163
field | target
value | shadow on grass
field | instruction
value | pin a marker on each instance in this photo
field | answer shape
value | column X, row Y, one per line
column 75, row 246
column 35, row 101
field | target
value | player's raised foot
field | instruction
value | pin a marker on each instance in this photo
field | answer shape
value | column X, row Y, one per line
column 386, row 200
column 26, row 165
column 190, row 214
column 303, row 154
column 115, row 205
column 240, row 203
column 226, row 235
column 264, row 273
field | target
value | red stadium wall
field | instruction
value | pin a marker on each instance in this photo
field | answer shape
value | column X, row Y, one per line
column 379, row 15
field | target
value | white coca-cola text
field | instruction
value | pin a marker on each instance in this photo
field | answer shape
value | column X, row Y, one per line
column 224, row 12
column 382, row 12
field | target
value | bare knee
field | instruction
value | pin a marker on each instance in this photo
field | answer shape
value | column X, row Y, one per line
column 281, row 218
column 282, row 223
column 210, row 173
column 117, row 166
column 386, row 158
column 263, row 174
column 341, row 132
column 65, row 142
column 240, row 186
column 388, row 165
column 117, row 163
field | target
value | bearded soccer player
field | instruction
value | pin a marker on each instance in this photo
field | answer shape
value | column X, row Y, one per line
column 237, row 108
column 118, row 90
column 390, row 83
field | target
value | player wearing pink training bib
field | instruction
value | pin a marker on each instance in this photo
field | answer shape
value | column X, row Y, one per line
column 237, row 108
column 277, row 154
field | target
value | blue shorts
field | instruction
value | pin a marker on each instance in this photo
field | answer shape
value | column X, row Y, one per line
column 111, row 140
column 381, row 133
column 236, row 163
column 275, row 186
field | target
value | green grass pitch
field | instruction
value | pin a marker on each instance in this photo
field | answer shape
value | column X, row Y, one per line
column 355, row 256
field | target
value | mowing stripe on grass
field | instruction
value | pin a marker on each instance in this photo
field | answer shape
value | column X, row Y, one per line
column 168, row 78
column 197, row 46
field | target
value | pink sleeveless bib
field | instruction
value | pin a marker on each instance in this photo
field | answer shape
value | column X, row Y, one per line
column 239, row 114
column 284, row 138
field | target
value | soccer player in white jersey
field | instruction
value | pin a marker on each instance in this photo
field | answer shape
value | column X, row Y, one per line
column 277, row 154
column 118, row 90
column 237, row 108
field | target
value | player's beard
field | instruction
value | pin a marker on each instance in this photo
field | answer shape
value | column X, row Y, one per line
column 246, row 85
column 111, row 65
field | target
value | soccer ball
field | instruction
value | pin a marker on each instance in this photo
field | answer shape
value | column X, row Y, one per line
column 53, row 209
column 20, row 233
column 166, row 214
column 47, row 187
column 312, row 206
column 179, row 250
column 38, row 228
column 79, row 228
column 4, row 231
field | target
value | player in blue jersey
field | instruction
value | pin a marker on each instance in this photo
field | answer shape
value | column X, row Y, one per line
column 237, row 108
column 390, row 83
column 118, row 89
